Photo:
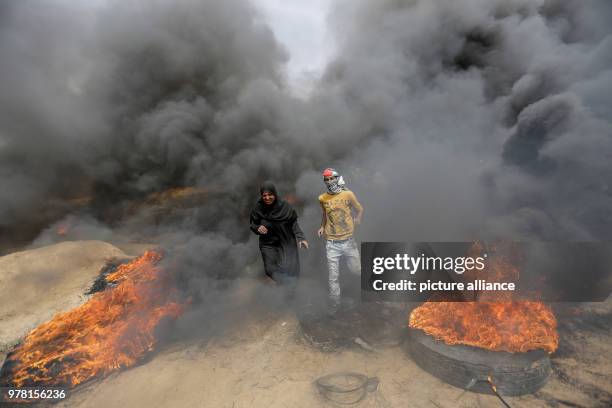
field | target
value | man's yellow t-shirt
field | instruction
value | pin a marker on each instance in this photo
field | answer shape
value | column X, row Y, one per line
column 338, row 214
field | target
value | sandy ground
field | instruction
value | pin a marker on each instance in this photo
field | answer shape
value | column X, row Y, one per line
column 265, row 362
column 267, row 365
column 38, row 283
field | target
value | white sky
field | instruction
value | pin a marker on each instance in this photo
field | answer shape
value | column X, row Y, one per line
column 300, row 25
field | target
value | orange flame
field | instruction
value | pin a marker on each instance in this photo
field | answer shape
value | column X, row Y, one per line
column 62, row 230
column 495, row 322
column 113, row 330
column 505, row 326
column 142, row 268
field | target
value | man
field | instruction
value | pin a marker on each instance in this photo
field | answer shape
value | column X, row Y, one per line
column 341, row 212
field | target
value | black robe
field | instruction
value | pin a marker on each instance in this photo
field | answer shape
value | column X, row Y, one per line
column 279, row 246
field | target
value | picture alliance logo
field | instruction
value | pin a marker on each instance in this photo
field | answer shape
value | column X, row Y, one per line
column 411, row 264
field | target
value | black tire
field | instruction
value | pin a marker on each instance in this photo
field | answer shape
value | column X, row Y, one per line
column 469, row 367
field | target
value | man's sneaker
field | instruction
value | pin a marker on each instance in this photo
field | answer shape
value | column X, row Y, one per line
column 348, row 304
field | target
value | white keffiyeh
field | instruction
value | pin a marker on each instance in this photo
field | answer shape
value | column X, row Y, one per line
column 335, row 186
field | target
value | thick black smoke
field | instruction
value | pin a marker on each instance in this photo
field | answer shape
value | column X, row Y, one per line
column 130, row 98
column 491, row 119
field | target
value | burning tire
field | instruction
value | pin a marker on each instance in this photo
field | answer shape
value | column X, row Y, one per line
column 478, row 369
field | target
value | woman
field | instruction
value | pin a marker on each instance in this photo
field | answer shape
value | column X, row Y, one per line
column 276, row 223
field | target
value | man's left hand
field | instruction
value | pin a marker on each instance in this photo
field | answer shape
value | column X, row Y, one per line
column 304, row 244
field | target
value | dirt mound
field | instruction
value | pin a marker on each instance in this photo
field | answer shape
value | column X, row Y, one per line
column 37, row 283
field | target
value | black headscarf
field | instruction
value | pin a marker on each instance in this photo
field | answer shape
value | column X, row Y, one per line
column 279, row 210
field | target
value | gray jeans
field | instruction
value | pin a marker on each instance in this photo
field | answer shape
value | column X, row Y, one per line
column 335, row 250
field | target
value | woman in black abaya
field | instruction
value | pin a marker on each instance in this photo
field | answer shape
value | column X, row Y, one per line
column 276, row 223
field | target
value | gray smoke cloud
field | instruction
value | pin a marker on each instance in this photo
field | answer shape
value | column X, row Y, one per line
column 110, row 104
column 130, row 98
column 451, row 120
column 488, row 119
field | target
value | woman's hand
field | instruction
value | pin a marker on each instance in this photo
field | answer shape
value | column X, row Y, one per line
column 321, row 232
column 262, row 230
column 303, row 244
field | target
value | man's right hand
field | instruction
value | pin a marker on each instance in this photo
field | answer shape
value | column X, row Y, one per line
column 321, row 232
column 262, row 229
